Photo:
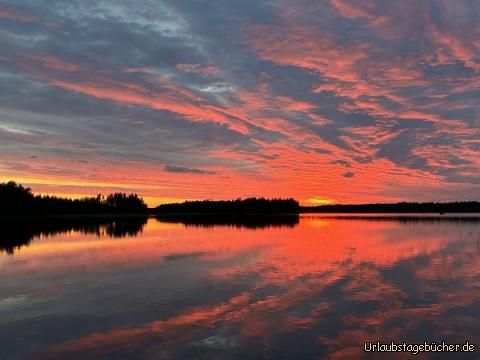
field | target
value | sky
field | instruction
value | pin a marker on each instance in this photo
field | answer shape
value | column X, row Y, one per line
column 331, row 101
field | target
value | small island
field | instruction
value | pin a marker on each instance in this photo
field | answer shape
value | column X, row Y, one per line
column 238, row 206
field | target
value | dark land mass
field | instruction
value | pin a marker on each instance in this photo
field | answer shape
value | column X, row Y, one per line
column 402, row 207
column 18, row 232
column 238, row 206
column 16, row 200
column 404, row 218
column 249, row 221
column 291, row 206
column 19, row 201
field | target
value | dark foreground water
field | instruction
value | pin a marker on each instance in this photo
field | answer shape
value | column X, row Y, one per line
column 310, row 288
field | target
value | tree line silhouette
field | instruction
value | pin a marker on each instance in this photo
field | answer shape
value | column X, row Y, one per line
column 238, row 206
column 403, row 218
column 15, row 199
column 401, row 207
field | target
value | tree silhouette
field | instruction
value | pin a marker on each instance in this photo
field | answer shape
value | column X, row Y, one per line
column 121, row 202
column 250, row 205
column 16, row 200
column 401, row 207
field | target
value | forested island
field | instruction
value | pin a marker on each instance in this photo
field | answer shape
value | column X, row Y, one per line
column 240, row 206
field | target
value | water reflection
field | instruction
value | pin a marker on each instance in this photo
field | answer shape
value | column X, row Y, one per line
column 315, row 290
column 250, row 221
column 420, row 217
column 19, row 232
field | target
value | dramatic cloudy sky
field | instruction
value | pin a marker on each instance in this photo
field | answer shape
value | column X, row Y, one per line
column 329, row 100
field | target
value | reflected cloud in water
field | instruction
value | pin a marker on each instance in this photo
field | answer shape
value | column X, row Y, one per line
column 411, row 217
column 315, row 290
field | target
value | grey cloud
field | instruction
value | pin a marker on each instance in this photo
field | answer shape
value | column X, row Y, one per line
column 341, row 162
column 182, row 169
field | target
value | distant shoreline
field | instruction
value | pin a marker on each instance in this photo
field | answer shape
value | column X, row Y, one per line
column 462, row 207
column 406, row 217
column 439, row 213
column 17, row 201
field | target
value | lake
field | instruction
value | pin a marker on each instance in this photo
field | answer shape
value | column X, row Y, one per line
column 314, row 287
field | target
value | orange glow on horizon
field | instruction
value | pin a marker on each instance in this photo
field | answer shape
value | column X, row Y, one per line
column 318, row 201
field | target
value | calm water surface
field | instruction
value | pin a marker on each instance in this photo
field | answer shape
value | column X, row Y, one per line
column 311, row 288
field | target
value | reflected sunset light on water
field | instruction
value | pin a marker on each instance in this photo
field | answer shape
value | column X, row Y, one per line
column 173, row 290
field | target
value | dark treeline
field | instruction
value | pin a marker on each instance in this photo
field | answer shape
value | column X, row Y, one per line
column 249, row 221
column 405, row 218
column 17, row 233
column 238, row 206
column 17, row 200
column 402, row 207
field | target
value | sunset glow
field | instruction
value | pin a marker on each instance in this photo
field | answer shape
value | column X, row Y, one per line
column 336, row 101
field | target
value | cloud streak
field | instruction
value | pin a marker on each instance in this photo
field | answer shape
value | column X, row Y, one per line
column 187, row 170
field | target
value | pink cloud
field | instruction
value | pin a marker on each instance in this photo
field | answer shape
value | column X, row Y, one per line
column 11, row 14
